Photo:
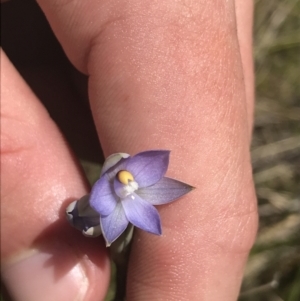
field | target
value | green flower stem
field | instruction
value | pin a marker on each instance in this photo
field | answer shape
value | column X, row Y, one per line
column 120, row 251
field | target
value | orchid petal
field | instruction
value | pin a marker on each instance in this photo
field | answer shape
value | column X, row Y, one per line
column 118, row 187
column 142, row 214
column 112, row 160
column 84, row 208
column 125, row 193
column 93, row 231
column 148, row 167
column 81, row 215
column 114, row 224
column 165, row 191
column 103, row 198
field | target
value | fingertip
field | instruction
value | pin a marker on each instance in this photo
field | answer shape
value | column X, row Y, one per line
column 58, row 268
column 42, row 257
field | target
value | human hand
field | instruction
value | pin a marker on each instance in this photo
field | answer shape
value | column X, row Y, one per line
column 164, row 75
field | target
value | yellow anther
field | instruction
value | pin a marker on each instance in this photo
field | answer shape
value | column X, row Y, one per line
column 125, row 176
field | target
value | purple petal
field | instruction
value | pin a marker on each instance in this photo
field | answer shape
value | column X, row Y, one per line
column 148, row 167
column 142, row 214
column 118, row 187
column 164, row 191
column 103, row 199
column 112, row 160
column 114, row 224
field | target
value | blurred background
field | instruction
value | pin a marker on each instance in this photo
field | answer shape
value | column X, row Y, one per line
column 273, row 268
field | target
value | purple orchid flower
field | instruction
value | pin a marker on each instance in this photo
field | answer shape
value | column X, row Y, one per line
column 125, row 193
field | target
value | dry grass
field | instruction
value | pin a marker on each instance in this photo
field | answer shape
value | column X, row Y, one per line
column 273, row 269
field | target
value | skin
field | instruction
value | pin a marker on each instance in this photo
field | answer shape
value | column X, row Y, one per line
column 162, row 75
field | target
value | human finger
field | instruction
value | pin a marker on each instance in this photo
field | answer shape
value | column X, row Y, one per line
column 169, row 76
column 41, row 257
column 244, row 20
